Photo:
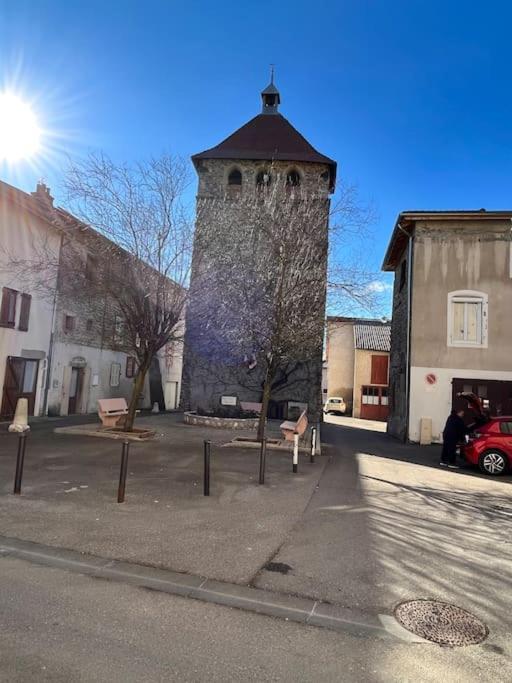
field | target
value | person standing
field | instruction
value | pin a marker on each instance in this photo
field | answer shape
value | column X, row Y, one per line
column 454, row 432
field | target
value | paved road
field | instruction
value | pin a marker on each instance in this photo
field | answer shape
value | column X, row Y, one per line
column 64, row 627
column 386, row 524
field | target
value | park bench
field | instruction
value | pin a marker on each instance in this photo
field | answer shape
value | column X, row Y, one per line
column 289, row 428
column 112, row 410
column 252, row 407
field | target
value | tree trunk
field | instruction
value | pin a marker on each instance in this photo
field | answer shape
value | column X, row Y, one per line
column 267, row 389
column 138, row 387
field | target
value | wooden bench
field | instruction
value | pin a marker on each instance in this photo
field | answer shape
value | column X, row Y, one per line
column 252, row 407
column 289, row 428
column 111, row 411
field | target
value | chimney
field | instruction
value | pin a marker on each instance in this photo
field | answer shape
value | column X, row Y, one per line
column 42, row 193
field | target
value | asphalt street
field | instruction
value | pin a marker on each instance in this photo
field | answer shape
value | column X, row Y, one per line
column 64, row 627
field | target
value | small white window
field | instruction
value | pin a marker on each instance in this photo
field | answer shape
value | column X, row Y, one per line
column 467, row 319
column 115, row 374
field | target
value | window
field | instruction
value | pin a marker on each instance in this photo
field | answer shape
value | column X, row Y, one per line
column 379, row 373
column 403, row 273
column 8, row 307
column 370, row 396
column 69, row 323
column 263, row 179
column 88, row 324
column 293, row 178
column 130, row 366
column 24, row 312
column 467, row 319
column 118, row 330
column 90, row 268
column 115, row 374
column 506, row 427
column 235, row 178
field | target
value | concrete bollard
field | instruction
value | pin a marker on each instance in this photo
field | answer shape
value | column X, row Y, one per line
column 295, row 453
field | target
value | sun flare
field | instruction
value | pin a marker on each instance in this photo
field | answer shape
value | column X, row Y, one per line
column 20, row 135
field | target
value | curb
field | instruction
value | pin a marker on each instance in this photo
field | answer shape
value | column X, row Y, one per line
column 279, row 605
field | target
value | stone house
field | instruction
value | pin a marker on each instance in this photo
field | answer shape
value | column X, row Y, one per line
column 357, row 359
column 260, row 155
column 451, row 326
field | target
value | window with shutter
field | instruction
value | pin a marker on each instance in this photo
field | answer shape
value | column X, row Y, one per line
column 26, row 300
column 379, row 370
column 8, row 307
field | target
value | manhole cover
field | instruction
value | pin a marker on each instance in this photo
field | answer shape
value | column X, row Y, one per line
column 441, row 622
column 280, row 567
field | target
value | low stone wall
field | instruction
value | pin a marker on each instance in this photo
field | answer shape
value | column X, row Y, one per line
column 192, row 418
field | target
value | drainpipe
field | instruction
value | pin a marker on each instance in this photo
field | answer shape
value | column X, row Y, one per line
column 410, row 238
column 52, row 335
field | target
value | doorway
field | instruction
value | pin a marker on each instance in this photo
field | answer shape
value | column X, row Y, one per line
column 75, row 390
column 20, row 382
column 374, row 403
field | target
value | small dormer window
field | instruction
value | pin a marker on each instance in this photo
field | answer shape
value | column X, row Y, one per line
column 235, row 178
column 293, row 178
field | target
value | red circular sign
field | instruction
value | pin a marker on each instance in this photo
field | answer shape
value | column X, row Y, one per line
column 431, row 378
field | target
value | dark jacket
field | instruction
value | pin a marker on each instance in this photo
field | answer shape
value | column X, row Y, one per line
column 455, row 430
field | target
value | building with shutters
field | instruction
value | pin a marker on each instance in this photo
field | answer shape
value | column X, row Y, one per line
column 26, row 315
column 452, row 325
column 357, row 361
column 59, row 350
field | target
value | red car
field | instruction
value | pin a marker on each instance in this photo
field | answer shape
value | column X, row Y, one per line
column 490, row 441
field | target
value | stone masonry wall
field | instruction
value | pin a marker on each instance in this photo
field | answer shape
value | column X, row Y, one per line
column 203, row 386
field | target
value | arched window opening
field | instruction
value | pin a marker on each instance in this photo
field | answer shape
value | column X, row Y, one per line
column 263, row 179
column 293, row 178
column 235, row 178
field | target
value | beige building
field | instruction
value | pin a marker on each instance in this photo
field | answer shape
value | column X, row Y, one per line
column 357, row 361
column 452, row 323
column 57, row 349
column 26, row 313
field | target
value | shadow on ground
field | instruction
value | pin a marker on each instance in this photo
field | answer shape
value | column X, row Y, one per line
column 69, row 496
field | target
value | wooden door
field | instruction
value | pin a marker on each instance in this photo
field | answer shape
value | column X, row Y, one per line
column 374, row 403
column 75, row 390
column 20, row 382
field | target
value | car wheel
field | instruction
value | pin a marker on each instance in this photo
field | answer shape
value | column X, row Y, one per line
column 493, row 462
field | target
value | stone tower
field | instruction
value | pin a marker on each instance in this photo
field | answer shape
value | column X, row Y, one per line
column 264, row 152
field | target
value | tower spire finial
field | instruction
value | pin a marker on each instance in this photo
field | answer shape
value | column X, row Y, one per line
column 270, row 96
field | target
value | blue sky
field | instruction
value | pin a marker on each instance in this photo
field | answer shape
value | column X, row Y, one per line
column 412, row 99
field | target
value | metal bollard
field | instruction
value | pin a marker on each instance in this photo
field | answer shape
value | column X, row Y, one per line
column 20, row 458
column 263, row 456
column 313, row 444
column 207, row 451
column 295, row 453
column 123, row 472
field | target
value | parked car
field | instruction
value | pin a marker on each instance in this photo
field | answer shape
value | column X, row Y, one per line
column 489, row 444
column 335, row 404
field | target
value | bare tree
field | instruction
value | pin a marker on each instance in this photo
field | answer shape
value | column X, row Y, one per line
column 259, row 284
column 124, row 256
column 143, row 269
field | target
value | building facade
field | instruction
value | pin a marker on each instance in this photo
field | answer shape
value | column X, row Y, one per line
column 265, row 154
column 61, row 347
column 451, row 326
column 26, row 312
column 357, row 352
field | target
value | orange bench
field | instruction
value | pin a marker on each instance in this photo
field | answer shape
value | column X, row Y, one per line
column 289, row 428
column 112, row 410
